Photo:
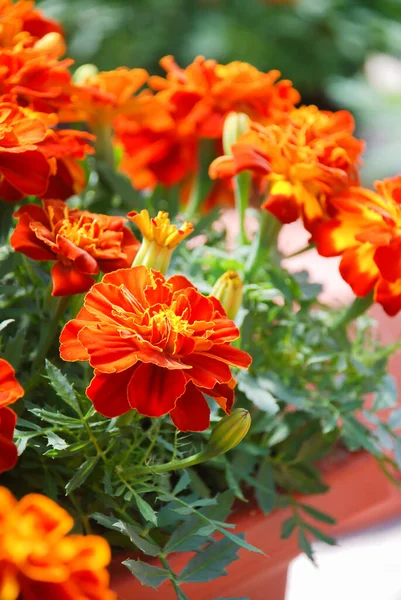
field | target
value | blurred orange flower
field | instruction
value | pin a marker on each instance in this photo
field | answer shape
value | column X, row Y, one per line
column 23, row 25
column 99, row 98
column 365, row 232
column 156, row 345
column 8, row 450
column 304, row 160
column 81, row 243
column 155, row 154
column 205, row 92
column 24, row 170
column 38, row 561
column 10, row 389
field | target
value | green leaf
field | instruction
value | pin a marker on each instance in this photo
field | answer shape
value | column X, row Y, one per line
column 210, row 563
column 81, row 474
column 131, row 530
column 305, row 545
column 320, row 516
column 320, row 535
column 182, row 483
column 387, row 394
column 55, row 418
column 62, row 387
column 253, row 390
column 145, row 509
column 147, row 574
column 288, row 527
column 265, row 494
column 55, row 441
column 186, row 538
column 239, row 540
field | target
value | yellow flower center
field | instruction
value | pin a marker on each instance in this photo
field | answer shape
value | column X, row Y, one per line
column 176, row 323
column 80, row 233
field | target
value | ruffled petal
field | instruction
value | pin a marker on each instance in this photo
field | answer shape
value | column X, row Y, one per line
column 67, row 280
column 154, row 391
column 109, row 392
column 191, row 412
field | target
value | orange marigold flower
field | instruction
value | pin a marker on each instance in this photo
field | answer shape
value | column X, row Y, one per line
column 8, row 450
column 304, row 160
column 156, row 345
column 205, row 92
column 155, row 154
column 81, row 243
column 23, row 25
column 64, row 148
column 101, row 97
column 10, row 391
column 24, row 170
column 39, row 561
column 365, row 232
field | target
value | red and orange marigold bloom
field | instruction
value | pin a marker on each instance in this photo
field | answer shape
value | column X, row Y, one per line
column 8, row 450
column 81, row 243
column 39, row 561
column 204, row 93
column 24, row 169
column 10, row 391
column 303, row 160
column 365, row 231
column 100, row 97
column 156, row 345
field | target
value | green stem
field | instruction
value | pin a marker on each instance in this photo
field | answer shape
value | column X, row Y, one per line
column 104, row 145
column 49, row 333
column 265, row 243
column 202, row 182
column 242, row 183
column 356, row 309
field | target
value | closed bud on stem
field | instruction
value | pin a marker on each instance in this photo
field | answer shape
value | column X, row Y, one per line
column 159, row 238
column 226, row 434
column 235, row 125
column 229, row 290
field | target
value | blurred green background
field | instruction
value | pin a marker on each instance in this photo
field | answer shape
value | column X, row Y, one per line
column 338, row 53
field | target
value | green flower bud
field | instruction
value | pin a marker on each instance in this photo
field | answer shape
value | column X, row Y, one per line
column 228, row 432
column 229, row 290
column 234, row 126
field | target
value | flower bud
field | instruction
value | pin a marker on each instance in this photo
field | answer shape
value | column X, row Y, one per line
column 228, row 432
column 159, row 239
column 234, row 126
column 52, row 44
column 229, row 290
column 85, row 72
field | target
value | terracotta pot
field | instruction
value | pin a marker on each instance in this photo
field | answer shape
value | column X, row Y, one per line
column 360, row 495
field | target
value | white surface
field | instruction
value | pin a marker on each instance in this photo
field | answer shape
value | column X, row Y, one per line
column 366, row 566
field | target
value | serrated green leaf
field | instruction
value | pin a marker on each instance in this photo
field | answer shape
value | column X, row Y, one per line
column 210, row 563
column 56, row 418
column 265, row 493
column 317, row 514
column 145, row 509
column 62, row 387
column 387, row 394
column 131, row 530
column 55, row 441
column 239, row 540
column 81, row 474
column 262, row 398
column 182, row 483
column 147, row 574
column 186, row 538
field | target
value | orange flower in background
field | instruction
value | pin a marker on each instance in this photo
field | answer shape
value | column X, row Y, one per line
column 156, row 345
column 64, row 148
column 153, row 155
column 81, row 243
column 304, row 160
column 8, row 450
column 39, row 561
column 100, row 97
column 23, row 25
column 365, row 231
column 205, row 92
column 24, row 170
column 10, row 391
